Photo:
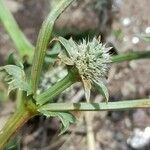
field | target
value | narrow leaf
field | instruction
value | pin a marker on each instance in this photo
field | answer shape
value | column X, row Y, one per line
column 69, row 45
column 87, row 88
column 43, row 41
column 65, row 117
column 146, row 37
column 100, row 86
column 13, row 144
column 131, row 56
column 24, row 47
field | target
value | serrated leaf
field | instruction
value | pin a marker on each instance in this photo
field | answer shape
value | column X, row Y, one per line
column 15, row 77
column 65, row 117
column 100, row 86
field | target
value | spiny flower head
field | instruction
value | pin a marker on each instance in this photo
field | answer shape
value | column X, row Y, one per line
column 91, row 58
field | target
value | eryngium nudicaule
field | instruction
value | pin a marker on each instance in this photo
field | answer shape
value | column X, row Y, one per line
column 91, row 58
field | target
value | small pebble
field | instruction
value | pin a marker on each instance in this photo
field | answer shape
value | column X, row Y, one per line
column 126, row 21
column 147, row 30
column 135, row 40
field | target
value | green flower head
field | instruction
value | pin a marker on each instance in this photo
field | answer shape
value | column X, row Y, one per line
column 92, row 60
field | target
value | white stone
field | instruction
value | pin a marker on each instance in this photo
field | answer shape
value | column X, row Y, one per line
column 126, row 21
column 147, row 30
column 135, row 40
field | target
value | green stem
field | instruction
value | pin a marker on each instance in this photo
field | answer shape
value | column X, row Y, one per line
column 26, row 110
column 43, row 42
column 130, row 56
column 19, row 95
column 71, row 78
column 14, row 123
column 58, row 88
column 22, row 44
column 120, row 105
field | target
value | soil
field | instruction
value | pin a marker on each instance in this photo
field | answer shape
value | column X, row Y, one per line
column 127, row 80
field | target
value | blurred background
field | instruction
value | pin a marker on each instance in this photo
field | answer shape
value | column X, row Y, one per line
column 120, row 24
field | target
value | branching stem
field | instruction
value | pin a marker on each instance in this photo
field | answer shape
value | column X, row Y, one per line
column 14, row 123
column 58, row 88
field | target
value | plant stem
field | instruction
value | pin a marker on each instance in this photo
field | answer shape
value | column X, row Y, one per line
column 26, row 110
column 70, row 78
column 130, row 56
column 58, row 88
column 14, row 123
column 43, row 41
column 19, row 95
column 120, row 105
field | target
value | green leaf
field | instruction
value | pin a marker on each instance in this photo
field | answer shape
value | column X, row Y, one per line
column 24, row 47
column 2, row 96
column 69, row 45
column 100, row 86
column 146, row 37
column 14, row 60
column 43, row 42
column 131, row 56
column 13, row 144
column 15, row 77
column 52, row 54
column 87, row 88
column 65, row 117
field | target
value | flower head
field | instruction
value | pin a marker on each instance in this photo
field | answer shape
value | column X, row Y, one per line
column 91, row 58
